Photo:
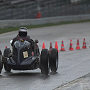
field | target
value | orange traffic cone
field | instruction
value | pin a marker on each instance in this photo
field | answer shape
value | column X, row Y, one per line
column 71, row 48
column 78, row 47
column 50, row 45
column 62, row 46
column 56, row 45
column 84, row 44
column 38, row 15
column 43, row 46
column 5, row 46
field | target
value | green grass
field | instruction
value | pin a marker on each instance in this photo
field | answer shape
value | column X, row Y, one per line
column 9, row 29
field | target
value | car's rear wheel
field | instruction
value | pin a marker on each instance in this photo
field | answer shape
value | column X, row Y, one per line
column 1, row 64
column 6, row 55
column 44, row 62
column 53, row 59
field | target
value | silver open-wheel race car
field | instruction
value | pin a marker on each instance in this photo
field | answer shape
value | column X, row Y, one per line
column 21, row 57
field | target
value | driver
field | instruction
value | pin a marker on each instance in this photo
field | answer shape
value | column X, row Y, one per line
column 22, row 34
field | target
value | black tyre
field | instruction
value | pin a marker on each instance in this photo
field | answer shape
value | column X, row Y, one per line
column 44, row 62
column 53, row 59
column 6, row 55
column 1, row 64
column 7, row 52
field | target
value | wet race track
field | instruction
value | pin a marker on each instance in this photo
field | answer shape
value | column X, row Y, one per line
column 72, row 64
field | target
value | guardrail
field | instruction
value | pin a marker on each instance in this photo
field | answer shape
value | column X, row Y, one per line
column 23, row 22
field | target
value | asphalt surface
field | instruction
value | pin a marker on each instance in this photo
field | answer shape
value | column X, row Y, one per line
column 72, row 64
column 82, row 83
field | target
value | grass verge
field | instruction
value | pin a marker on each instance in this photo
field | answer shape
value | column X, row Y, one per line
column 9, row 29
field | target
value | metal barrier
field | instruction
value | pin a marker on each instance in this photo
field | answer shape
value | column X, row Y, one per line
column 23, row 22
column 28, row 9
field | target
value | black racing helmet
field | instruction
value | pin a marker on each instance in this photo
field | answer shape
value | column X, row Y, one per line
column 22, row 32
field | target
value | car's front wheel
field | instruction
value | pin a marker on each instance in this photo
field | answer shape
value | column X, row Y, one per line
column 6, row 55
column 44, row 62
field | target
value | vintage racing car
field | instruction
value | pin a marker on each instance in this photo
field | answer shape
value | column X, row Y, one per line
column 21, row 57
